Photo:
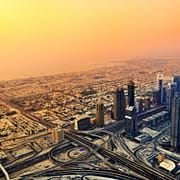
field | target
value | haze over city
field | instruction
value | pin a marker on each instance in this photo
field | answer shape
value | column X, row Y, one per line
column 90, row 89
column 45, row 37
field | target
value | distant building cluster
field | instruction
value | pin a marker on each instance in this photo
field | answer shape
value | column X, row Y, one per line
column 145, row 110
column 142, row 113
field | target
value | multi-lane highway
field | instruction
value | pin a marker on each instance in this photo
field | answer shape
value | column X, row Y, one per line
column 99, row 173
column 35, row 159
column 118, row 138
column 138, row 167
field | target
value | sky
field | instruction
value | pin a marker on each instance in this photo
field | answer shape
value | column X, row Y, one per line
column 51, row 36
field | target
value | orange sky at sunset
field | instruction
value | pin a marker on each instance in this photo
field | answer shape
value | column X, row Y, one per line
column 51, row 36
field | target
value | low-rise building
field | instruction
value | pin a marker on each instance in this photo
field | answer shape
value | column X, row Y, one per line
column 23, row 152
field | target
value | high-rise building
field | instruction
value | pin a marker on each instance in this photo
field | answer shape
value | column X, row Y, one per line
column 164, row 95
column 175, row 125
column 119, row 104
column 99, row 113
column 130, row 122
column 131, row 89
column 177, row 81
column 139, row 100
column 156, row 98
column 160, row 86
column 170, row 97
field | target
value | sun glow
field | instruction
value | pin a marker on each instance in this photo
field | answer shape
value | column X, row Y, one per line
column 42, row 36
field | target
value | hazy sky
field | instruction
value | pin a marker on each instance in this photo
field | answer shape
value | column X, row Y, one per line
column 50, row 36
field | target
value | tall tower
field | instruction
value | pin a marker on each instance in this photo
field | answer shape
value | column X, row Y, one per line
column 156, row 97
column 139, row 101
column 175, row 125
column 170, row 97
column 160, row 87
column 131, row 88
column 131, row 122
column 99, row 113
column 177, row 81
column 119, row 104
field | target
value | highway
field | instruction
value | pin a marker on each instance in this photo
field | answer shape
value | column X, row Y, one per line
column 118, row 138
column 145, row 114
column 92, row 148
column 14, row 161
column 34, row 160
column 102, row 153
column 24, row 140
column 85, row 172
column 117, row 126
column 4, row 172
column 58, row 149
column 138, row 167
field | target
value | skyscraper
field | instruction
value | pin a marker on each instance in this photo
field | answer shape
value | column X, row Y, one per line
column 177, row 81
column 119, row 104
column 156, row 98
column 175, row 125
column 170, row 97
column 139, row 102
column 160, row 86
column 131, row 88
column 130, row 122
column 164, row 95
column 99, row 113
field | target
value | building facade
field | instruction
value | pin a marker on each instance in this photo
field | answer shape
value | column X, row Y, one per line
column 99, row 113
column 119, row 104
column 131, row 89
column 160, row 87
column 175, row 125
column 131, row 122
column 177, row 82
column 170, row 97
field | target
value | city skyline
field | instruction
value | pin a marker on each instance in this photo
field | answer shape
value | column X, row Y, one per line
column 90, row 89
column 53, row 126
column 43, row 37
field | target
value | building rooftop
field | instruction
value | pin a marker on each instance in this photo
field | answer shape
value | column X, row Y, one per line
column 26, row 150
column 167, row 165
column 79, row 117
